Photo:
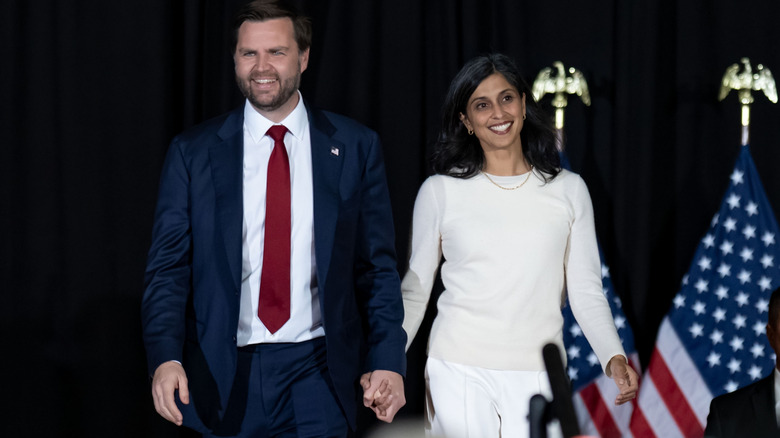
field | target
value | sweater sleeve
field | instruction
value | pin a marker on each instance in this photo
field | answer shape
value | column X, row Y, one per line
column 583, row 280
column 424, row 259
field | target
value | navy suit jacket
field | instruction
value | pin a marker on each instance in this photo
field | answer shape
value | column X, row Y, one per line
column 746, row 412
column 193, row 276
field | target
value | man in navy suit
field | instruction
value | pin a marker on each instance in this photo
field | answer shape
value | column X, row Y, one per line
column 219, row 366
column 752, row 411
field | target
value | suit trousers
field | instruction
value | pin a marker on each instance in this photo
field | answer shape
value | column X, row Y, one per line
column 472, row 402
column 283, row 390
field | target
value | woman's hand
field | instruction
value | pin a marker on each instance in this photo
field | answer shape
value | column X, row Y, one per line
column 625, row 378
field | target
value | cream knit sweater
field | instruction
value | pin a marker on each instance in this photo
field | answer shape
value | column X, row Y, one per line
column 510, row 256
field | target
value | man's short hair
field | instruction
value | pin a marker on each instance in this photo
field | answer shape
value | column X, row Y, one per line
column 261, row 10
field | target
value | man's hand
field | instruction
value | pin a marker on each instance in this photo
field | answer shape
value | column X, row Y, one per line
column 168, row 377
column 625, row 377
column 383, row 393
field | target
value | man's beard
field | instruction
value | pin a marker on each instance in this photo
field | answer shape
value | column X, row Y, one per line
column 288, row 87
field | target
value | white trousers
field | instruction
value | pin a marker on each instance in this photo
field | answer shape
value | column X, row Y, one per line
column 471, row 402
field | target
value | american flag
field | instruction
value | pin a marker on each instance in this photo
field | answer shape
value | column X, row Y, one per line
column 593, row 392
column 713, row 340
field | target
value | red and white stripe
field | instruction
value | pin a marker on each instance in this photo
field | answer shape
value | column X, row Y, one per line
column 673, row 396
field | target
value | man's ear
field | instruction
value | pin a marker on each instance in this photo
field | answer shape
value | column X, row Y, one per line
column 304, row 59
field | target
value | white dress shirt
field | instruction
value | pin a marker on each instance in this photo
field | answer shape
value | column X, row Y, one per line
column 305, row 317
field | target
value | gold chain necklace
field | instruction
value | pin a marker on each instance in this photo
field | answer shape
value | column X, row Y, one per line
column 510, row 188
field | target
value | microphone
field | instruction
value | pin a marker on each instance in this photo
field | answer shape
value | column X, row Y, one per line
column 562, row 406
column 538, row 416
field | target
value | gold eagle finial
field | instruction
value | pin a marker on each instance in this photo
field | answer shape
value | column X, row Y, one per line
column 745, row 82
column 555, row 81
column 560, row 84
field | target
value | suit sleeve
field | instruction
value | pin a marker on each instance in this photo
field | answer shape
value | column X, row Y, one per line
column 713, row 422
column 167, row 279
column 377, row 281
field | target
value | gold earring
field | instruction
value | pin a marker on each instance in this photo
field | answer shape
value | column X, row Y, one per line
column 523, row 116
column 470, row 132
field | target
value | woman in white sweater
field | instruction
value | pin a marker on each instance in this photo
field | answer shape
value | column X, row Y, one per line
column 516, row 234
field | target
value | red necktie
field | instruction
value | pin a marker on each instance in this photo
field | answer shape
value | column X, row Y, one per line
column 274, row 304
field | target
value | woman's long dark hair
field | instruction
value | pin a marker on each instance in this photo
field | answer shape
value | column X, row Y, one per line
column 459, row 154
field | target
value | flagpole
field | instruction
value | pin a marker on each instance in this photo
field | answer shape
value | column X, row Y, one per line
column 744, row 80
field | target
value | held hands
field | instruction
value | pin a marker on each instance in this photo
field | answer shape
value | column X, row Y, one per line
column 168, row 377
column 625, row 378
column 383, row 393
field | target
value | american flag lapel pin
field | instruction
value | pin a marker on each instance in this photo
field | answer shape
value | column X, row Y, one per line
column 334, row 151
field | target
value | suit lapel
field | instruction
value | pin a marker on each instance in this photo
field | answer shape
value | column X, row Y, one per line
column 327, row 156
column 226, row 158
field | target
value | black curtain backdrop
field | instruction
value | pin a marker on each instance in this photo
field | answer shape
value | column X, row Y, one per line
column 91, row 93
